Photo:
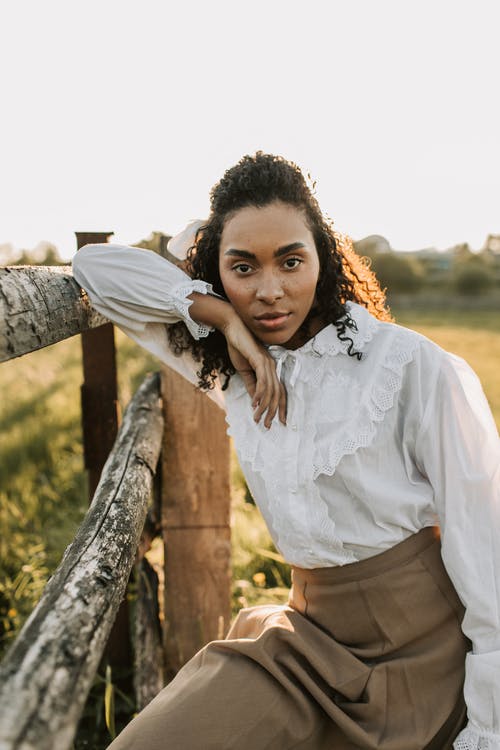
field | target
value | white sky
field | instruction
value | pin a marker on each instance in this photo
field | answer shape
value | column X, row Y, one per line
column 119, row 115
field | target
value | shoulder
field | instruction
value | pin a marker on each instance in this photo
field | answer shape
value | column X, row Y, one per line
column 381, row 340
column 418, row 361
column 397, row 340
column 428, row 371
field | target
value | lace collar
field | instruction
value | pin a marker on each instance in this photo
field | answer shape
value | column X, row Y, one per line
column 327, row 341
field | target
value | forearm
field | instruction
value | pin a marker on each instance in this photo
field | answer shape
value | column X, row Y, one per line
column 137, row 288
column 143, row 293
column 211, row 311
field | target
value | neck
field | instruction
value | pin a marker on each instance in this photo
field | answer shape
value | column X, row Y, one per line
column 300, row 337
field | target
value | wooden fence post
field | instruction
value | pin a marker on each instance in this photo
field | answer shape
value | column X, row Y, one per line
column 100, row 422
column 195, row 520
column 100, row 410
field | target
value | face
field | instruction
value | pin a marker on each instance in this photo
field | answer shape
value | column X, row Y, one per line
column 269, row 268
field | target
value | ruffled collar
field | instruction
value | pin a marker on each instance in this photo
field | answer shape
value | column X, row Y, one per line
column 327, row 341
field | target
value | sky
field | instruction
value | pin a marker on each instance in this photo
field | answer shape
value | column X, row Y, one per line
column 120, row 116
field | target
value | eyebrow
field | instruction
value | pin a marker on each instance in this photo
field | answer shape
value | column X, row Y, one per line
column 277, row 253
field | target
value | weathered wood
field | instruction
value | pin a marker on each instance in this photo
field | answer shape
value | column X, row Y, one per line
column 88, row 238
column 99, row 391
column 148, row 653
column 195, row 520
column 99, row 401
column 197, row 591
column 47, row 673
column 100, row 420
column 40, row 305
column 148, row 675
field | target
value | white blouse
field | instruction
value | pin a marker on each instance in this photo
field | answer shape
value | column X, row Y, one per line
column 373, row 450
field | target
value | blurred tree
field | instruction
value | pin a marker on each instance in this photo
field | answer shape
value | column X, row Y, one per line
column 397, row 273
column 52, row 257
column 154, row 242
column 44, row 254
column 461, row 253
column 7, row 254
column 472, row 276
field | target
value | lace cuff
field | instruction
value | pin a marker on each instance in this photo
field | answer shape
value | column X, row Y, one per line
column 474, row 738
column 181, row 304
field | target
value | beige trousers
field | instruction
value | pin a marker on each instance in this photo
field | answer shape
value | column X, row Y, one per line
column 368, row 655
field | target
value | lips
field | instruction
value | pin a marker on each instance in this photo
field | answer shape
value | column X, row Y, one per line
column 270, row 316
column 272, row 321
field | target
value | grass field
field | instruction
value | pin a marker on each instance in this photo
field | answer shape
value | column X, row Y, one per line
column 43, row 487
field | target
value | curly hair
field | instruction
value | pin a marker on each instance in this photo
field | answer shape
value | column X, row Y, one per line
column 258, row 181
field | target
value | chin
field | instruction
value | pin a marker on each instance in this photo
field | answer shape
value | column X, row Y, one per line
column 278, row 338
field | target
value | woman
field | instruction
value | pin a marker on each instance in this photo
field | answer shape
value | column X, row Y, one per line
column 358, row 439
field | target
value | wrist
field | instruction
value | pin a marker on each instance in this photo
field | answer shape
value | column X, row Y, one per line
column 211, row 311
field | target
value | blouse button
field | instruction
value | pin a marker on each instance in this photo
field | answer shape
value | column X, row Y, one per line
column 294, row 427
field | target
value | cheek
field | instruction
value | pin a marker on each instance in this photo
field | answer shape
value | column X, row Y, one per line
column 226, row 282
column 305, row 286
column 237, row 291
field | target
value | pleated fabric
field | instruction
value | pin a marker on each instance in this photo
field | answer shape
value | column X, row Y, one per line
column 366, row 655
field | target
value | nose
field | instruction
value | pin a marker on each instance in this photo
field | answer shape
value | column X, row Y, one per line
column 269, row 289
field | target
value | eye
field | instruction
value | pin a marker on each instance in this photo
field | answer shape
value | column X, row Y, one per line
column 241, row 268
column 297, row 261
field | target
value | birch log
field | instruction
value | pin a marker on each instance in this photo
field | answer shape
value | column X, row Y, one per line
column 40, row 305
column 46, row 675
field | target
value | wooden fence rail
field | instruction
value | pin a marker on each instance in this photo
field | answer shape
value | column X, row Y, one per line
column 39, row 306
column 46, row 675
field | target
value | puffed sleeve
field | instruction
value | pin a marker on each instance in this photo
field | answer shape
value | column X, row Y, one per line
column 141, row 292
column 458, row 449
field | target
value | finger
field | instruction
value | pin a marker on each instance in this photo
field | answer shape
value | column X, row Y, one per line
column 282, row 404
column 271, row 400
column 260, row 383
column 262, row 392
column 272, row 408
column 249, row 380
column 262, row 402
column 275, row 397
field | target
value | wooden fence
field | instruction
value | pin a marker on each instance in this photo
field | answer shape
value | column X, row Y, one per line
column 167, row 466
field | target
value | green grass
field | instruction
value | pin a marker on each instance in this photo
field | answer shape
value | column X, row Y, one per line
column 43, row 488
column 260, row 575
